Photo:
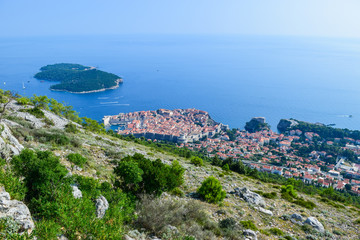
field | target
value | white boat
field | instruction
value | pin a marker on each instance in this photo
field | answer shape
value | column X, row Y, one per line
column 23, row 85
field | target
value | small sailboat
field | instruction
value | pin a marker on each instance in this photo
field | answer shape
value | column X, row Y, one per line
column 4, row 83
column 23, row 85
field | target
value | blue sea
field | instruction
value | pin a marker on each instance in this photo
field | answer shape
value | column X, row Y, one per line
column 233, row 77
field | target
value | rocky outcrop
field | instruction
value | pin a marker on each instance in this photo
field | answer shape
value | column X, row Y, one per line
column 249, row 196
column 285, row 124
column 312, row 221
column 17, row 211
column 9, row 145
column 59, row 122
column 101, row 206
column 250, row 234
column 256, row 124
column 76, row 191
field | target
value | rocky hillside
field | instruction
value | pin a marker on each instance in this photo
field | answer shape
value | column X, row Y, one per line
column 250, row 210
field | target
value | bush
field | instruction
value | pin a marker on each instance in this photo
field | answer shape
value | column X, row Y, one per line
column 197, row 161
column 225, row 168
column 36, row 112
column 23, row 101
column 227, row 223
column 248, row 225
column 307, row 204
column 288, row 192
column 77, row 159
column 57, row 212
column 43, row 176
column 211, row 190
column 54, row 137
column 137, row 174
column 276, row 231
column 12, row 184
column 71, row 128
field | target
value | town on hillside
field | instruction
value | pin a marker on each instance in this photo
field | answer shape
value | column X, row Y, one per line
column 306, row 155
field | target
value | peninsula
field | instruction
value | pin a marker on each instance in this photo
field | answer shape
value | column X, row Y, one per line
column 179, row 125
column 76, row 78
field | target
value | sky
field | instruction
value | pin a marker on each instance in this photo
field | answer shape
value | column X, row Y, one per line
column 326, row 18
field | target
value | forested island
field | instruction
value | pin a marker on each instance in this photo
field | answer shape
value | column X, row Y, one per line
column 76, row 78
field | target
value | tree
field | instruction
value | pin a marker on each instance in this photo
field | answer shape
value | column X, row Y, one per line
column 348, row 187
column 211, row 190
column 216, row 161
column 41, row 101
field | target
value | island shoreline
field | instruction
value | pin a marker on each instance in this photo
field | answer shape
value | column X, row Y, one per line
column 118, row 81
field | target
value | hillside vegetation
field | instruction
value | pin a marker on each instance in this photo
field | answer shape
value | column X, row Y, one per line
column 81, row 182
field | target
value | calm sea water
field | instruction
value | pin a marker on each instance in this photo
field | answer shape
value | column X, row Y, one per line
column 234, row 78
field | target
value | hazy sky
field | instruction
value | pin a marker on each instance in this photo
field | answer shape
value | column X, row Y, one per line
column 339, row 18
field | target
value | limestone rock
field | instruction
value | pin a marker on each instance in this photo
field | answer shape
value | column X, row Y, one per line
column 76, row 191
column 101, row 206
column 250, row 234
column 9, row 145
column 16, row 210
column 297, row 217
column 250, row 197
column 265, row 211
column 312, row 221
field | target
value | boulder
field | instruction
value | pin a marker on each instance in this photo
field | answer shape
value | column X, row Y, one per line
column 17, row 211
column 101, row 206
column 9, row 145
column 76, row 191
column 250, row 234
column 285, row 124
column 312, row 221
column 297, row 217
column 250, row 197
column 265, row 211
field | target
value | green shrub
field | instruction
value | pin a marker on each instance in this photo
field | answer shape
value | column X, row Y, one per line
column 276, row 231
column 43, row 176
column 130, row 175
column 35, row 111
column 155, row 177
column 306, row 204
column 225, row 168
column 77, row 159
column 197, row 161
column 54, row 137
column 23, row 101
column 12, row 184
column 357, row 221
column 211, row 190
column 227, row 223
column 57, row 212
column 288, row 192
column 71, row 128
column 248, row 225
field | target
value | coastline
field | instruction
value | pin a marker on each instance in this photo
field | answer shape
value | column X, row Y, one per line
column 118, row 81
